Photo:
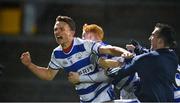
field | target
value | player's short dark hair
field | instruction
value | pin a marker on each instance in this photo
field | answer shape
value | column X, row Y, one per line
column 167, row 33
column 68, row 20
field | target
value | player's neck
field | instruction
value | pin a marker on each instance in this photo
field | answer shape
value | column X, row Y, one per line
column 68, row 47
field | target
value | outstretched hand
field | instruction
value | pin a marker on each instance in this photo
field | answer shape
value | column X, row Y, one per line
column 26, row 58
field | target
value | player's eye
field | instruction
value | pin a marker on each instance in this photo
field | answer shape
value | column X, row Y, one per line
column 55, row 29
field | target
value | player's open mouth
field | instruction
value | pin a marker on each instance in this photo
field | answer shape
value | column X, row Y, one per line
column 59, row 37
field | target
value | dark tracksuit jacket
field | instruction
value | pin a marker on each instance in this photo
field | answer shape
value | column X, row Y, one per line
column 156, row 70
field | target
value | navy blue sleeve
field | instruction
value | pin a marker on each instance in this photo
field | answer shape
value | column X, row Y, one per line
column 127, row 70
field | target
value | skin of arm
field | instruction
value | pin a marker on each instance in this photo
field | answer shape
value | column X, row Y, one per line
column 114, row 51
column 42, row 72
column 108, row 63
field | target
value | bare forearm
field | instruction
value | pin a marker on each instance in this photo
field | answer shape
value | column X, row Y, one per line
column 112, row 50
column 108, row 63
column 117, row 51
column 41, row 72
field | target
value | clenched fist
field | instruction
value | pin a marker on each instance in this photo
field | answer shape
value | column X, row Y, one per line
column 26, row 58
column 73, row 77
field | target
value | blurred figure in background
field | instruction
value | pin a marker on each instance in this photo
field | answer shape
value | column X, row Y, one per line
column 92, row 32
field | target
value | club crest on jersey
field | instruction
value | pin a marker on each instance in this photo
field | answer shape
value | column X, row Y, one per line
column 78, row 56
column 70, row 60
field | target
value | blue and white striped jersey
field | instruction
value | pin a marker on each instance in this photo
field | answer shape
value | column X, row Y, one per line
column 78, row 60
column 177, row 89
column 127, row 85
column 177, row 94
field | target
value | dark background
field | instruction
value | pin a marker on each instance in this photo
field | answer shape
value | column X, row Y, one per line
column 121, row 20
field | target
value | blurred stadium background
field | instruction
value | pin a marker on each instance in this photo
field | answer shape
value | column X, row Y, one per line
column 27, row 25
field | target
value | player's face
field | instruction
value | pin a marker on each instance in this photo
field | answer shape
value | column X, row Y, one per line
column 90, row 36
column 154, row 39
column 63, row 33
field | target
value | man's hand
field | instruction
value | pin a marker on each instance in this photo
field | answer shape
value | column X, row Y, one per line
column 73, row 77
column 130, row 48
column 26, row 58
column 127, row 55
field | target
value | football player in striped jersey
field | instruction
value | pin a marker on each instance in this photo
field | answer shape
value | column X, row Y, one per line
column 73, row 55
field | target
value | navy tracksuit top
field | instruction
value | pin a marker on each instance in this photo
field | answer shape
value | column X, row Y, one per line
column 156, row 70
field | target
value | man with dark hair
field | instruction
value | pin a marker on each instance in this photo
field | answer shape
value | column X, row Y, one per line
column 165, row 34
column 73, row 55
column 156, row 68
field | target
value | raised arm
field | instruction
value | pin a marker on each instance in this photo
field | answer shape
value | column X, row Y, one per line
column 114, row 51
column 42, row 72
column 108, row 63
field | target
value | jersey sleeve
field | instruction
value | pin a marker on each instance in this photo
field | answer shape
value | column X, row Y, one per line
column 53, row 64
column 92, row 46
column 177, row 76
column 96, row 47
column 126, row 70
